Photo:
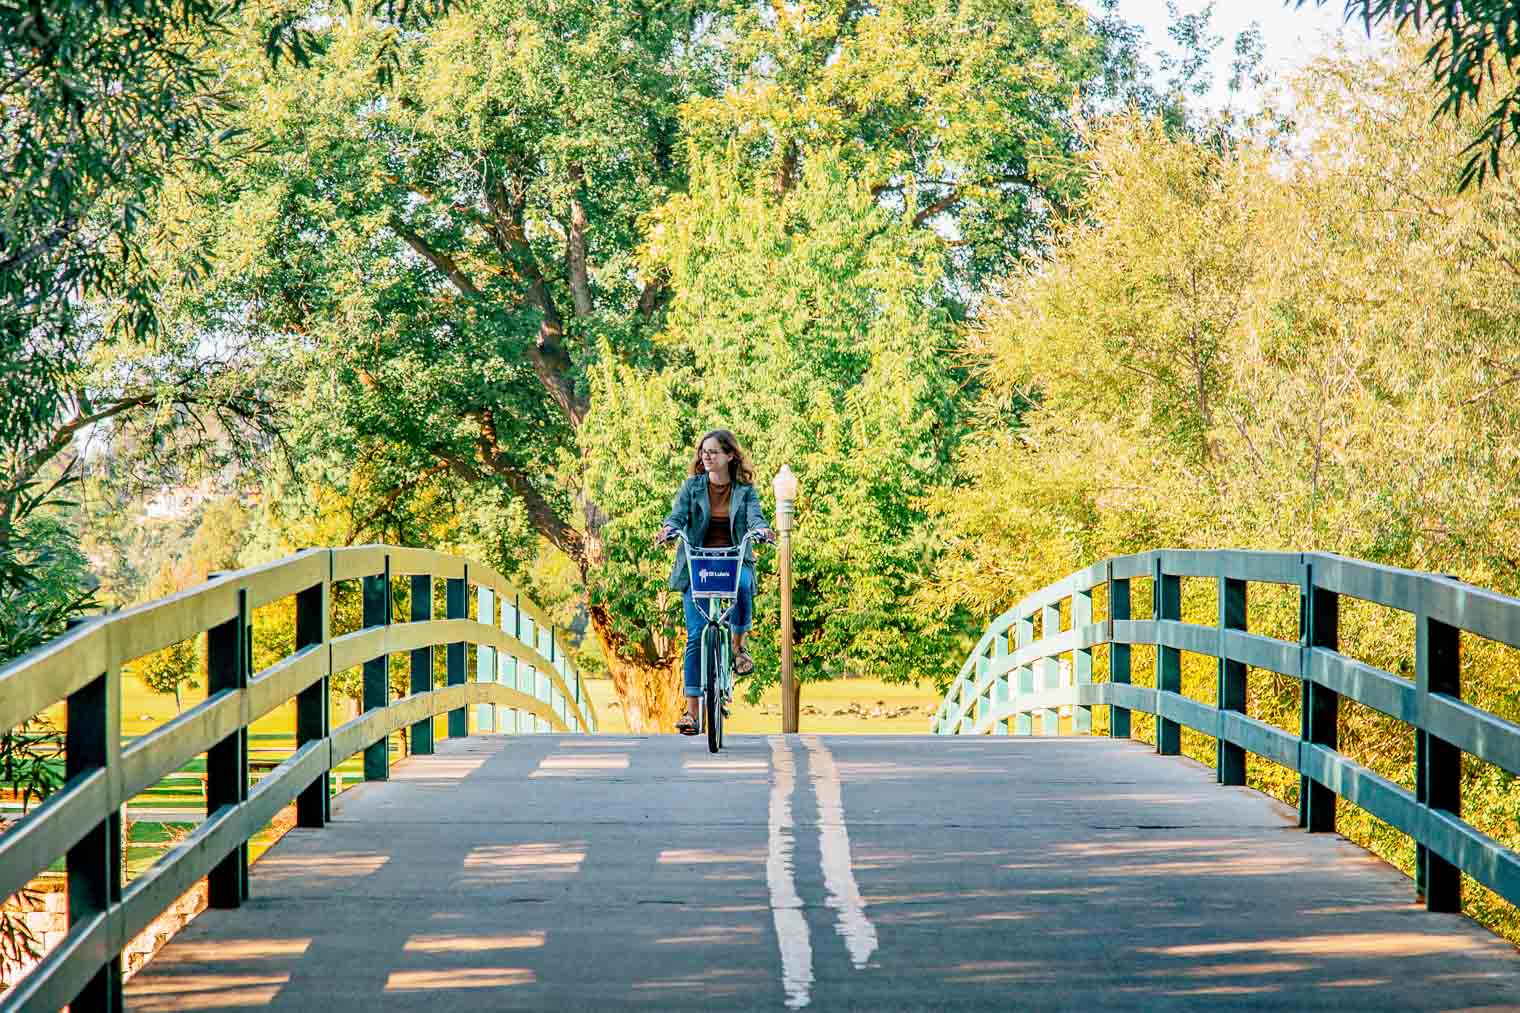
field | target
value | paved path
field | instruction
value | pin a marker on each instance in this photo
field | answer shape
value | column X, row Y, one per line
column 864, row 873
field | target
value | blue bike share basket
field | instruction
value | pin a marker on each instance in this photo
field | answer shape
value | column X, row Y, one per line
column 715, row 575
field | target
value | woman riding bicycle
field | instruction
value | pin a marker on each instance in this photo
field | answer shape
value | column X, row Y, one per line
column 715, row 508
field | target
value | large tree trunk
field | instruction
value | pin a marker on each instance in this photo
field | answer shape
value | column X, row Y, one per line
column 650, row 693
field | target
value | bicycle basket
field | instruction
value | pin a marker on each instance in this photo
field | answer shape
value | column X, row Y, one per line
column 714, row 576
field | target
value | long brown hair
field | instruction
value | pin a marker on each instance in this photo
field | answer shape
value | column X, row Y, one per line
column 739, row 469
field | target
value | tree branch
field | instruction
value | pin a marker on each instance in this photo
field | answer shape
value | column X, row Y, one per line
column 575, row 249
column 391, row 499
column 550, row 359
column 655, row 294
column 944, row 203
column 64, row 435
column 440, row 260
column 541, row 513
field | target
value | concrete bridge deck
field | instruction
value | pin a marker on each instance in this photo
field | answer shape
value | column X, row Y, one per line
column 587, row 872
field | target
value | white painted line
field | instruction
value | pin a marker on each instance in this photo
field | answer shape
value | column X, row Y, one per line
column 838, row 868
column 786, row 905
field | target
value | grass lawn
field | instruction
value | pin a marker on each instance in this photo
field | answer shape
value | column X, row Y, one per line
column 839, row 707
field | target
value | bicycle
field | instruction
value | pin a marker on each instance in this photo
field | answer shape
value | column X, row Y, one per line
column 714, row 576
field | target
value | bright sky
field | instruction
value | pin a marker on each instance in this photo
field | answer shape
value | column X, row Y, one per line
column 1293, row 36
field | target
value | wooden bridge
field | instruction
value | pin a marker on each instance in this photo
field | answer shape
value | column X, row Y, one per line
column 575, row 871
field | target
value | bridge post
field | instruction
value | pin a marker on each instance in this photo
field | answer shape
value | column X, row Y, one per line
column 1166, row 594
column 1323, row 703
column 1438, row 763
column 456, row 605
column 227, row 760
column 377, row 671
column 1050, row 669
column 508, row 719
column 92, row 741
column 1231, row 693
column 313, row 719
column 1081, row 660
column 485, row 657
column 1118, row 654
column 981, row 700
column 422, row 661
column 1000, row 687
column 1023, row 722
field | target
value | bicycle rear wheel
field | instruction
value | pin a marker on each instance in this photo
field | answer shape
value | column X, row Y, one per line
column 714, row 695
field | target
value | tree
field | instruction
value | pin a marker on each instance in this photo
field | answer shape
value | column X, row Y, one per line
column 175, row 667
column 1226, row 350
column 170, row 670
column 1473, row 48
column 841, row 372
column 483, row 226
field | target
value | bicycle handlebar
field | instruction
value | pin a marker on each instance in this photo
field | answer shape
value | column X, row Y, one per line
column 749, row 536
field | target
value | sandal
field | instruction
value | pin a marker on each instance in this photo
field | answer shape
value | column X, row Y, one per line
column 743, row 663
column 686, row 726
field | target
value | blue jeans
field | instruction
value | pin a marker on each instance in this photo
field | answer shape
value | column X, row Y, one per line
column 738, row 619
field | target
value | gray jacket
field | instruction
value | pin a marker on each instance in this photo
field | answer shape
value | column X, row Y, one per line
column 689, row 513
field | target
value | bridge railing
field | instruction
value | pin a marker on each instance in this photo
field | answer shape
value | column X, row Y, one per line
column 521, row 665
column 1011, row 677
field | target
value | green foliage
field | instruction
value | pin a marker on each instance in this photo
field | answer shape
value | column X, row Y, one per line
column 1473, row 48
column 43, row 584
column 1224, row 350
column 488, row 227
column 840, row 372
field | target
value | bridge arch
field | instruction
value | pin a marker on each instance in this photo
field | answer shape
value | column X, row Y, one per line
column 1011, row 676
column 81, row 822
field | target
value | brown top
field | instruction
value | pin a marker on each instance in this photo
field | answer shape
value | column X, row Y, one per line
column 717, row 536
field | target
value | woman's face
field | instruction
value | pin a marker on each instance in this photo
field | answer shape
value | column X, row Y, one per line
column 715, row 459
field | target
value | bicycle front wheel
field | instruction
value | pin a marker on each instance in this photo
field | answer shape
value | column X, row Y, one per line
column 713, row 703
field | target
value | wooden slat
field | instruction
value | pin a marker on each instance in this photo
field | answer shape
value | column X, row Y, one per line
column 1475, row 609
column 1050, row 594
column 278, row 683
column 66, row 969
column 1385, row 585
column 169, row 747
column 1369, row 686
column 355, row 561
column 439, row 565
column 1260, row 738
column 283, row 578
column 1474, row 852
column 1189, row 637
column 353, row 735
column 1260, row 567
column 1132, row 566
column 1378, row 795
column 1188, row 562
column 1200, row 717
column 41, row 678
column 48, row 831
column 157, row 624
column 1484, row 735
column 1135, row 698
column 1094, row 576
column 1134, row 631
column 1258, row 651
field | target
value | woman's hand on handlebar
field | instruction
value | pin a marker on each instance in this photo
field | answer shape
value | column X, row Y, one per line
column 765, row 536
column 666, row 534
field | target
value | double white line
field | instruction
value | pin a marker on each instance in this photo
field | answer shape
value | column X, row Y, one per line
column 838, row 870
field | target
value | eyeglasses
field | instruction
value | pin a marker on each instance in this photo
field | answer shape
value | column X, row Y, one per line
column 711, row 453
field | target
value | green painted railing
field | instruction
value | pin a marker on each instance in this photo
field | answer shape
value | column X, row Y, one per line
column 1010, row 678
column 521, row 665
